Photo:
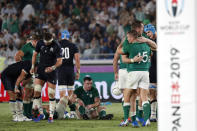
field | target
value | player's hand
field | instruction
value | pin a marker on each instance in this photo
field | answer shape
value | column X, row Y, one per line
column 16, row 90
column 89, row 107
column 32, row 71
column 138, row 58
column 48, row 69
column 77, row 76
column 116, row 76
column 142, row 39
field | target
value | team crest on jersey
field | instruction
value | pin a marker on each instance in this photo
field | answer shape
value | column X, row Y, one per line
column 51, row 49
column 91, row 95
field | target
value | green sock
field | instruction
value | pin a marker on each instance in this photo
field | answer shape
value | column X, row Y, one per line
column 30, row 109
column 102, row 113
column 126, row 109
column 82, row 110
column 140, row 112
column 25, row 110
column 146, row 109
column 133, row 118
column 72, row 107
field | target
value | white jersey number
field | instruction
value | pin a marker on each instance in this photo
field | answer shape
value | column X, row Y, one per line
column 65, row 53
column 145, row 56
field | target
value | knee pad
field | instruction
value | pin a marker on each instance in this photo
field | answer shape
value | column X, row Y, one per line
column 38, row 88
column 51, row 92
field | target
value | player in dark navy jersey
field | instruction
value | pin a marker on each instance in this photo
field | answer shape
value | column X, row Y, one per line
column 152, row 34
column 50, row 59
column 11, row 78
column 66, row 75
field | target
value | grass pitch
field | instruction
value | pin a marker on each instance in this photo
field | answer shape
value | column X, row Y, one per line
column 6, row 123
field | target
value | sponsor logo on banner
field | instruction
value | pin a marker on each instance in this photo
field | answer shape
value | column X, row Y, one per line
column 174, row 7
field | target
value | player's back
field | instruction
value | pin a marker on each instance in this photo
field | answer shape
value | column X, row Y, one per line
column 68, row 51
column 141, row 49
column 14, row 70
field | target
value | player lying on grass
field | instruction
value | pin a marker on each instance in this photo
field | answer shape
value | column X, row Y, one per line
column 87, row 104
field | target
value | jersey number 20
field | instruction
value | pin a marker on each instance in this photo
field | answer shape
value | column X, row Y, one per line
column 65, row 53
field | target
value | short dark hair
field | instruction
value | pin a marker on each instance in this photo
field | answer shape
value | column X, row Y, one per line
column 87, row 78
column 133, row 33
column 48, row 36
column 136, row 24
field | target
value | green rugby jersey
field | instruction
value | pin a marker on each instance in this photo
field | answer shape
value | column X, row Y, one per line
column 122, row 65
column 86, row 96
column 28, row 51
column 141, row 49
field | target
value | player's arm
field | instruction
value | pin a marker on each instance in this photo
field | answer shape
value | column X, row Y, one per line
column 97, row 102
column 19, row 80
column 151, row 43
column 115, row 65
column 57, row 64
column 33, row 62
column 137, row 58
column 19, row 55
column 119, row 49
column 77, row 64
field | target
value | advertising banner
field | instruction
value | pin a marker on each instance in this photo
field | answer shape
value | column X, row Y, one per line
column 176, row 29
column 102, row 80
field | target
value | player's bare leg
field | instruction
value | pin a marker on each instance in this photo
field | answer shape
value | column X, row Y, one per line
column 28, row 95
column 126, row 106
column 153, row 102
column 12, row 103
column 52, row 101
column 133, row 108
column 145, row 105
column 37, row 102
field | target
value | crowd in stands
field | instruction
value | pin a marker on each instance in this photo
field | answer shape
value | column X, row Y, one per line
column 96, row 26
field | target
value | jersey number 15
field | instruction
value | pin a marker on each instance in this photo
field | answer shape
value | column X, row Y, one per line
column 65, row 53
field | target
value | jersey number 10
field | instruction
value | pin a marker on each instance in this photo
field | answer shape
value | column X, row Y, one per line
column 65, row 53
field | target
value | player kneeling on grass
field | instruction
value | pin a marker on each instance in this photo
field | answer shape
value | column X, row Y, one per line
column 87, row 102
column 11, row 78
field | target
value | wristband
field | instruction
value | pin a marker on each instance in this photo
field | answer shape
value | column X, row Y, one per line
column 32, row 66
column 132, row 61
column 53, row 67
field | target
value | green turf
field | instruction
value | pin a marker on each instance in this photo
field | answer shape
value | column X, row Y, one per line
column 69, row 125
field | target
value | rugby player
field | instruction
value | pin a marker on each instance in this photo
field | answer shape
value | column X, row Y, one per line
column 50, row 59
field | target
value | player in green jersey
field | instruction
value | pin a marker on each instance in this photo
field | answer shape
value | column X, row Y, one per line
column 25, row 53
column 138, row 75
column 88, row 101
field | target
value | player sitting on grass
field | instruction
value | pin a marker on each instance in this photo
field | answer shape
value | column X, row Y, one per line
column 88, row 102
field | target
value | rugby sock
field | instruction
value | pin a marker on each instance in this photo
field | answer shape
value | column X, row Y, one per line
column 12, row 104
column 72, row 107
column 102, row 113
column 133, row 116
column 52, row 104
column 122, row 102
column 81, row 110
column 19, row 106
column 146, row 109
column 126, row 109
column 25, row 106
column 37, row 104
column 30, row 109
column 153, row 109
column 140, row 112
